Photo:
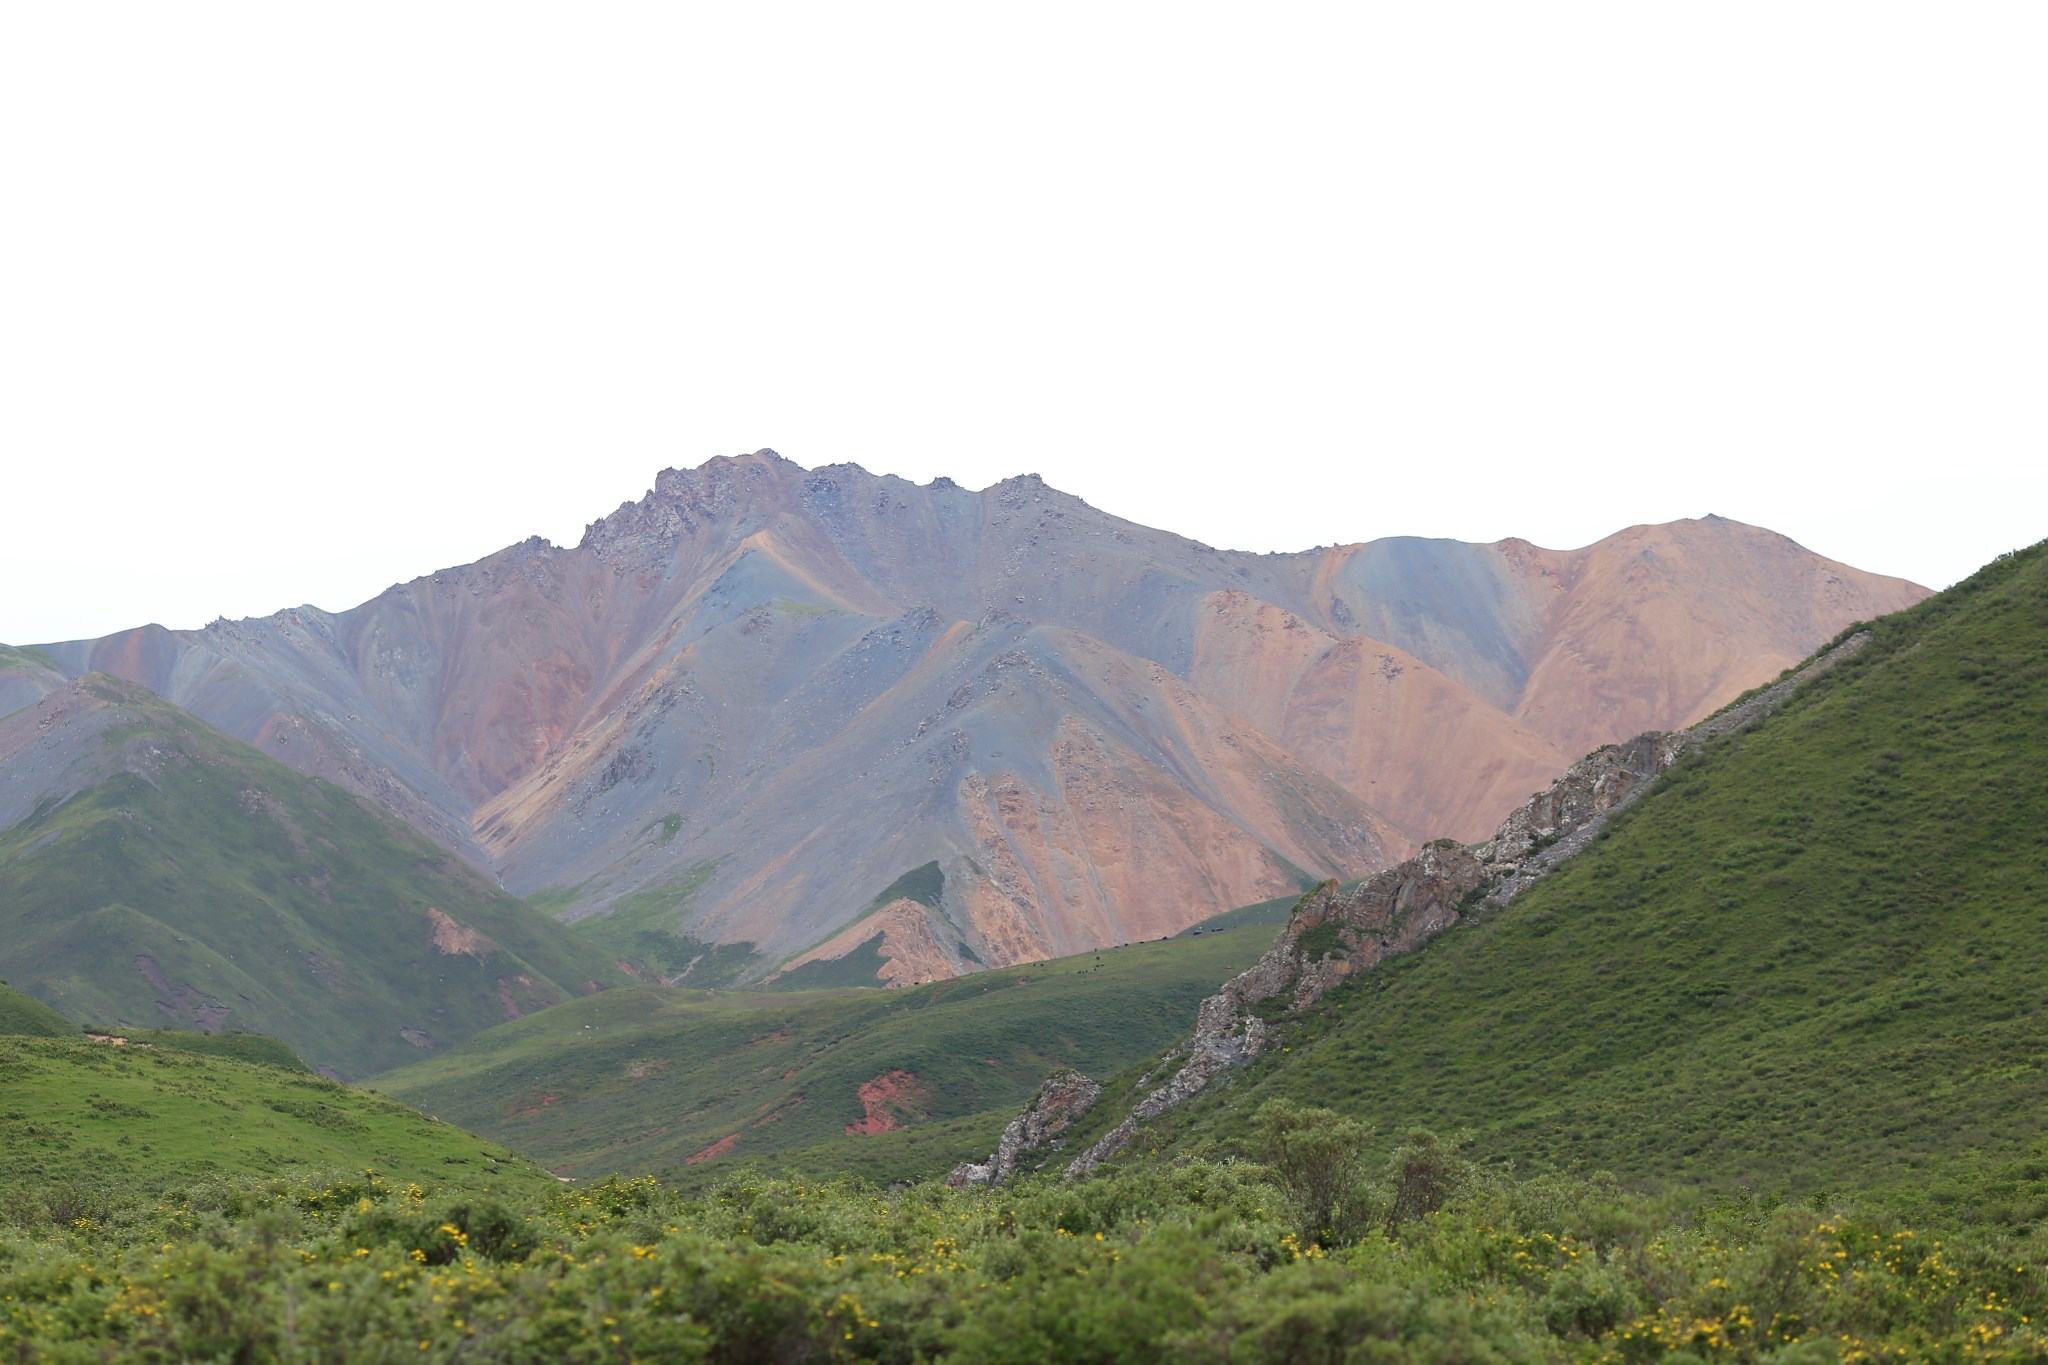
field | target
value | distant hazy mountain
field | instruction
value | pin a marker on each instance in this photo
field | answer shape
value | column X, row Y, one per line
column 764, row 703
column 155, row 873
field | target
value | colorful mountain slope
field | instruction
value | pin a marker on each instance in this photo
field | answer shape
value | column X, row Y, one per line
column 733, row 683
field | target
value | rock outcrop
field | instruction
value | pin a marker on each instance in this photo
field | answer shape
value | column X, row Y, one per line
column 1334, row 935
column 1061, row 1100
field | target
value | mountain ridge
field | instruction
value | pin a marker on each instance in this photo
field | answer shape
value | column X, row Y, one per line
column 690, row 657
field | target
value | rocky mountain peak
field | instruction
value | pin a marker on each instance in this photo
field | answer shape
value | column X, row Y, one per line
column 722, row 490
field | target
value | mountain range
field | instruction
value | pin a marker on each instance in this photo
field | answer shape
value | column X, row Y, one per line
column 768, row 718
column 1796, row 947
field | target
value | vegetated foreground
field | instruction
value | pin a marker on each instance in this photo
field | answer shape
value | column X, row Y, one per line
column 1202, row 1261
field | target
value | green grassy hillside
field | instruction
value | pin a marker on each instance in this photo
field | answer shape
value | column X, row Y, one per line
column 24, row 1015
column 1813, row 957
column 174, row 876
column 240, row 1047
column 645, row 1079
column 94, row 1126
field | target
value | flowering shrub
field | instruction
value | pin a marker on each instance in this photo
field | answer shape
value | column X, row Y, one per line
column 1203, row 1262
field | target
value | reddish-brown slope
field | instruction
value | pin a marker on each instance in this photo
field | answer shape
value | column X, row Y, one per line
column 1417, row 745
column 1658, row 626
column 1073, row 796
column 913, row 948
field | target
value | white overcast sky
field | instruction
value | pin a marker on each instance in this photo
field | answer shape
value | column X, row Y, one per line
column 298, row 301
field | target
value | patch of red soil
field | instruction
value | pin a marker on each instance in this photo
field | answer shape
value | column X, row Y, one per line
column 716, row 1149
column 545, row 1101
column 886, row 1098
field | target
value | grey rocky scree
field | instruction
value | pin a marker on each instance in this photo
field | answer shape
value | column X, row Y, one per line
column 1064, row 1097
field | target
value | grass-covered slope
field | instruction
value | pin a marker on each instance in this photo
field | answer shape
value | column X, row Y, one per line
column 1815, row 956
column 646, row 1079
column 96, row 1124
column 25, row 1016
column 25, row 676
column 164, row 874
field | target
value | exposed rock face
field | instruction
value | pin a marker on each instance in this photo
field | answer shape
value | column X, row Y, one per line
column 1334, row 935
column 764, row 693
column 1064, row 1097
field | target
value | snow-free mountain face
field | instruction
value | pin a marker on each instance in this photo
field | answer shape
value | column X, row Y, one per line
column 749, row 707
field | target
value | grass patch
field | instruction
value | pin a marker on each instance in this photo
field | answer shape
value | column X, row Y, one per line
column 926, row 885
column 645, row 929
column 861, row 967
column 23, row 1015
column 253, row 1048
column 1322, row 940
column 18, row 657
column 130, row 1123
column 1274, row 912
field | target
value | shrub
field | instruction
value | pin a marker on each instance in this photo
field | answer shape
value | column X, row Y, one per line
column 1421, row 1175
column 1318, row 1158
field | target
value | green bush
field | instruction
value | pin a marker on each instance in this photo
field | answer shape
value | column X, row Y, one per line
column 1200, row 1261
column 1318, row 1157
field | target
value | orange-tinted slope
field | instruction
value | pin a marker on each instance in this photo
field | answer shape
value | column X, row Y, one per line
column 1658, row 626
column 1416, row 744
